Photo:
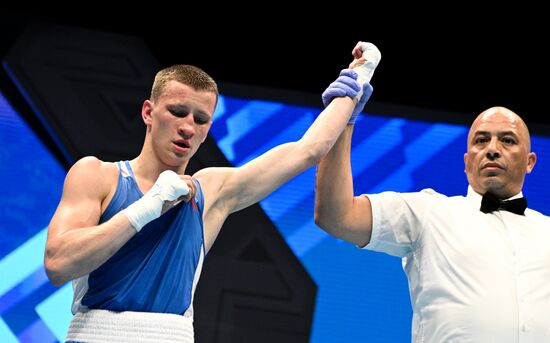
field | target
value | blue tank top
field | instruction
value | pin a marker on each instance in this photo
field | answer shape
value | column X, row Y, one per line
column 157, row 270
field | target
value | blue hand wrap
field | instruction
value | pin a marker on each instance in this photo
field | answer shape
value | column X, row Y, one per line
column 346, row 85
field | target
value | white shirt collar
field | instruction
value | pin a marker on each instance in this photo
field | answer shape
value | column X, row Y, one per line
column 475, row 197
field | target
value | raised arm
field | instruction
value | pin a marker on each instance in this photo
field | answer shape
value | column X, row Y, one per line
column 230, row 189
column 227, row 190
column 337, row 210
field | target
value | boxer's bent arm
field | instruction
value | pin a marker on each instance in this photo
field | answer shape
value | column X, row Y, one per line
column 76, row 244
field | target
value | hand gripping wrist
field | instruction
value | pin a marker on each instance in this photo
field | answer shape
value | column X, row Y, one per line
column 344, row 85
column 168, row 187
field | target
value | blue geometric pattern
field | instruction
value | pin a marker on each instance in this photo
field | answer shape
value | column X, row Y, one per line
column 31, row 181
column 362, row 296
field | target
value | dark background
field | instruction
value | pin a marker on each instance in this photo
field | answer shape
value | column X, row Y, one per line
column 458, row 60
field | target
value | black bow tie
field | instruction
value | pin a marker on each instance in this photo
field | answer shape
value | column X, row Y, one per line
column 491, row 203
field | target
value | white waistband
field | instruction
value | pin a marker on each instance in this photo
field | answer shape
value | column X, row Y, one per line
column 132, row 327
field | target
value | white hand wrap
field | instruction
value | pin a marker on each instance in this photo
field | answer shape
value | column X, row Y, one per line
column 168, row 187
column 365, row 71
